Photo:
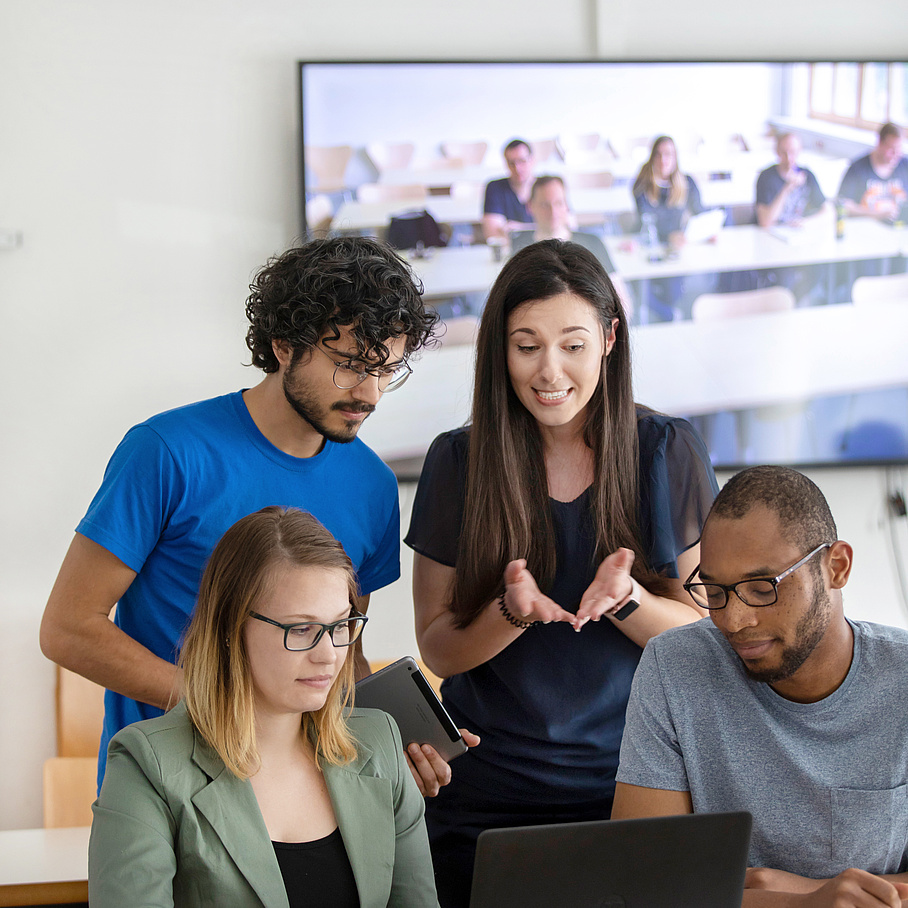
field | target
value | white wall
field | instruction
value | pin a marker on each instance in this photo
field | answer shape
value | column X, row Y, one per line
column 148, row 155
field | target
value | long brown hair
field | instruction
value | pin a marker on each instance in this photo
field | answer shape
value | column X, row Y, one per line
column 645, row 184
column 506, row 511
column 217, row 685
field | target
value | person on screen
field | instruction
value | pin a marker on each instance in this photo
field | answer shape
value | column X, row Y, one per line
column 261, row 787
column 505, row 206
column 552, row 216
column 876, row 185
column 663, row 192
column 786, row 192
column 538, row 531
column 332, row 324
column 780, row 705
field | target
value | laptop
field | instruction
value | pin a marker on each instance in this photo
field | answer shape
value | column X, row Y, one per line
column 691, row 861
column 704, row 226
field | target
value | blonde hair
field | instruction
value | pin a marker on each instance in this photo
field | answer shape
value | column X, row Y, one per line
column 646, row 180
column 217, row 684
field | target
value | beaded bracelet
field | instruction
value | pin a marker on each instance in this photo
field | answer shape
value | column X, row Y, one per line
column 511, row 619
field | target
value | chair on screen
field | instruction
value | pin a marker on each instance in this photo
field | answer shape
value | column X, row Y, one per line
column 70, row 778
column 543, row 149
column 575, row 147
column 391, row 192
column 390, row 155
column 328, row 164
column 887, row 288
column 777, row 426
column 319, row 214
column 597, row 180
column 470, row 153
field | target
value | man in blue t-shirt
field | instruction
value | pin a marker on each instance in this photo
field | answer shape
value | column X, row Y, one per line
column 779, row 706
column 505, row 207
column 332, row 325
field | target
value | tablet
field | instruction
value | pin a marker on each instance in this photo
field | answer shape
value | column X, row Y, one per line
column 402, row 690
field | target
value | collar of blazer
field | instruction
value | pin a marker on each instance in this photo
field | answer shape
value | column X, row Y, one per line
column 363, row 804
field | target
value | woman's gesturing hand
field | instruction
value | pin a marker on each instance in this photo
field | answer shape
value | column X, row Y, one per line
column 609, row 589
column 524, row 600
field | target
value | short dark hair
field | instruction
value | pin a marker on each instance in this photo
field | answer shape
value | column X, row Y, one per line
column 517, row 143
column 801, row 507
column 543, row 181
column 890, row 131
column 311, row 290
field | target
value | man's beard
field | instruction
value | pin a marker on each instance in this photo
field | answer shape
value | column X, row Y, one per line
column 808, row 635
column 316, row 414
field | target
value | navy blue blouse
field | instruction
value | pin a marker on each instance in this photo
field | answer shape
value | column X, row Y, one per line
column 550, row 707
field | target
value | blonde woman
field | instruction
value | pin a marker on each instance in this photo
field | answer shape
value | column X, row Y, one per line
column 664, row 192
column 262, row 788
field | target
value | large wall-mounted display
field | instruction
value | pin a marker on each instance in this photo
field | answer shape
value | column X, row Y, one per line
column 776, row 324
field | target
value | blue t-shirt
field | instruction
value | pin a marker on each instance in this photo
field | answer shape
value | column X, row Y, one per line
column 179, row 480
column 550, row 706
column 501, row 199
column 826, row 782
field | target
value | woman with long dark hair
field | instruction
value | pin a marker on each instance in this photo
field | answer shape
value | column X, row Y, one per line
column 551, row 536
column 262, row 788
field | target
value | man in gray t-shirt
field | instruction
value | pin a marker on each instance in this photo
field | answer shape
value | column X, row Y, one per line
column 779, row 705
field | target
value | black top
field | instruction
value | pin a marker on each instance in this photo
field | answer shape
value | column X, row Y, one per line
column 317, row 874
column 550, row 706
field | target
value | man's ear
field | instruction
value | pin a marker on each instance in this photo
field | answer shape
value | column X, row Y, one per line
column 283, row 351
column 841, row 557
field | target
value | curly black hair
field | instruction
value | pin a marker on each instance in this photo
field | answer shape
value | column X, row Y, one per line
column 309, row 291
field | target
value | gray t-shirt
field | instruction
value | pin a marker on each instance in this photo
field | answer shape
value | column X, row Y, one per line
column 825, row 782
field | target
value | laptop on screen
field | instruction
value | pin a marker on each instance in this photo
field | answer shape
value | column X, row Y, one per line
column 691, row 861
column 704, row 226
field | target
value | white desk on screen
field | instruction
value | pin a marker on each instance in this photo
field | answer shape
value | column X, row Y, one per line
column 455, row 270
column 681, row 367
column 44, row 866
column 749, row 247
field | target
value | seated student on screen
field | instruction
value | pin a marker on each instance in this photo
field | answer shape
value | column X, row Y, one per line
column 780, row 705
column 505, row 207
column 786, row 192
column 786, row 195
column 661, row 190
column 876, row 185
column 260, row 788
column 552, row 216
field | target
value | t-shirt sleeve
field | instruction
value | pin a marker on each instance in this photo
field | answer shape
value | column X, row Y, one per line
column 816, row 199
column 438, row 506
column 650, row 755
column 130, row 511
column 765, row 194
column 853, row 183
column 493, row 204
column 383, row 564
column 694, row 203
column 677, row 488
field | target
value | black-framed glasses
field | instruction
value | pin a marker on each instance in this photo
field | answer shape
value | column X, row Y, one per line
column 300, row 637
column 758, row 592
column 350, row 372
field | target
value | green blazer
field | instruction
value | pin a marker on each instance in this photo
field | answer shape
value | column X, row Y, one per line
column 174, row 827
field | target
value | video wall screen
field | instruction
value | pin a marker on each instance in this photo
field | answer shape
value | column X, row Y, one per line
column 769, row 308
